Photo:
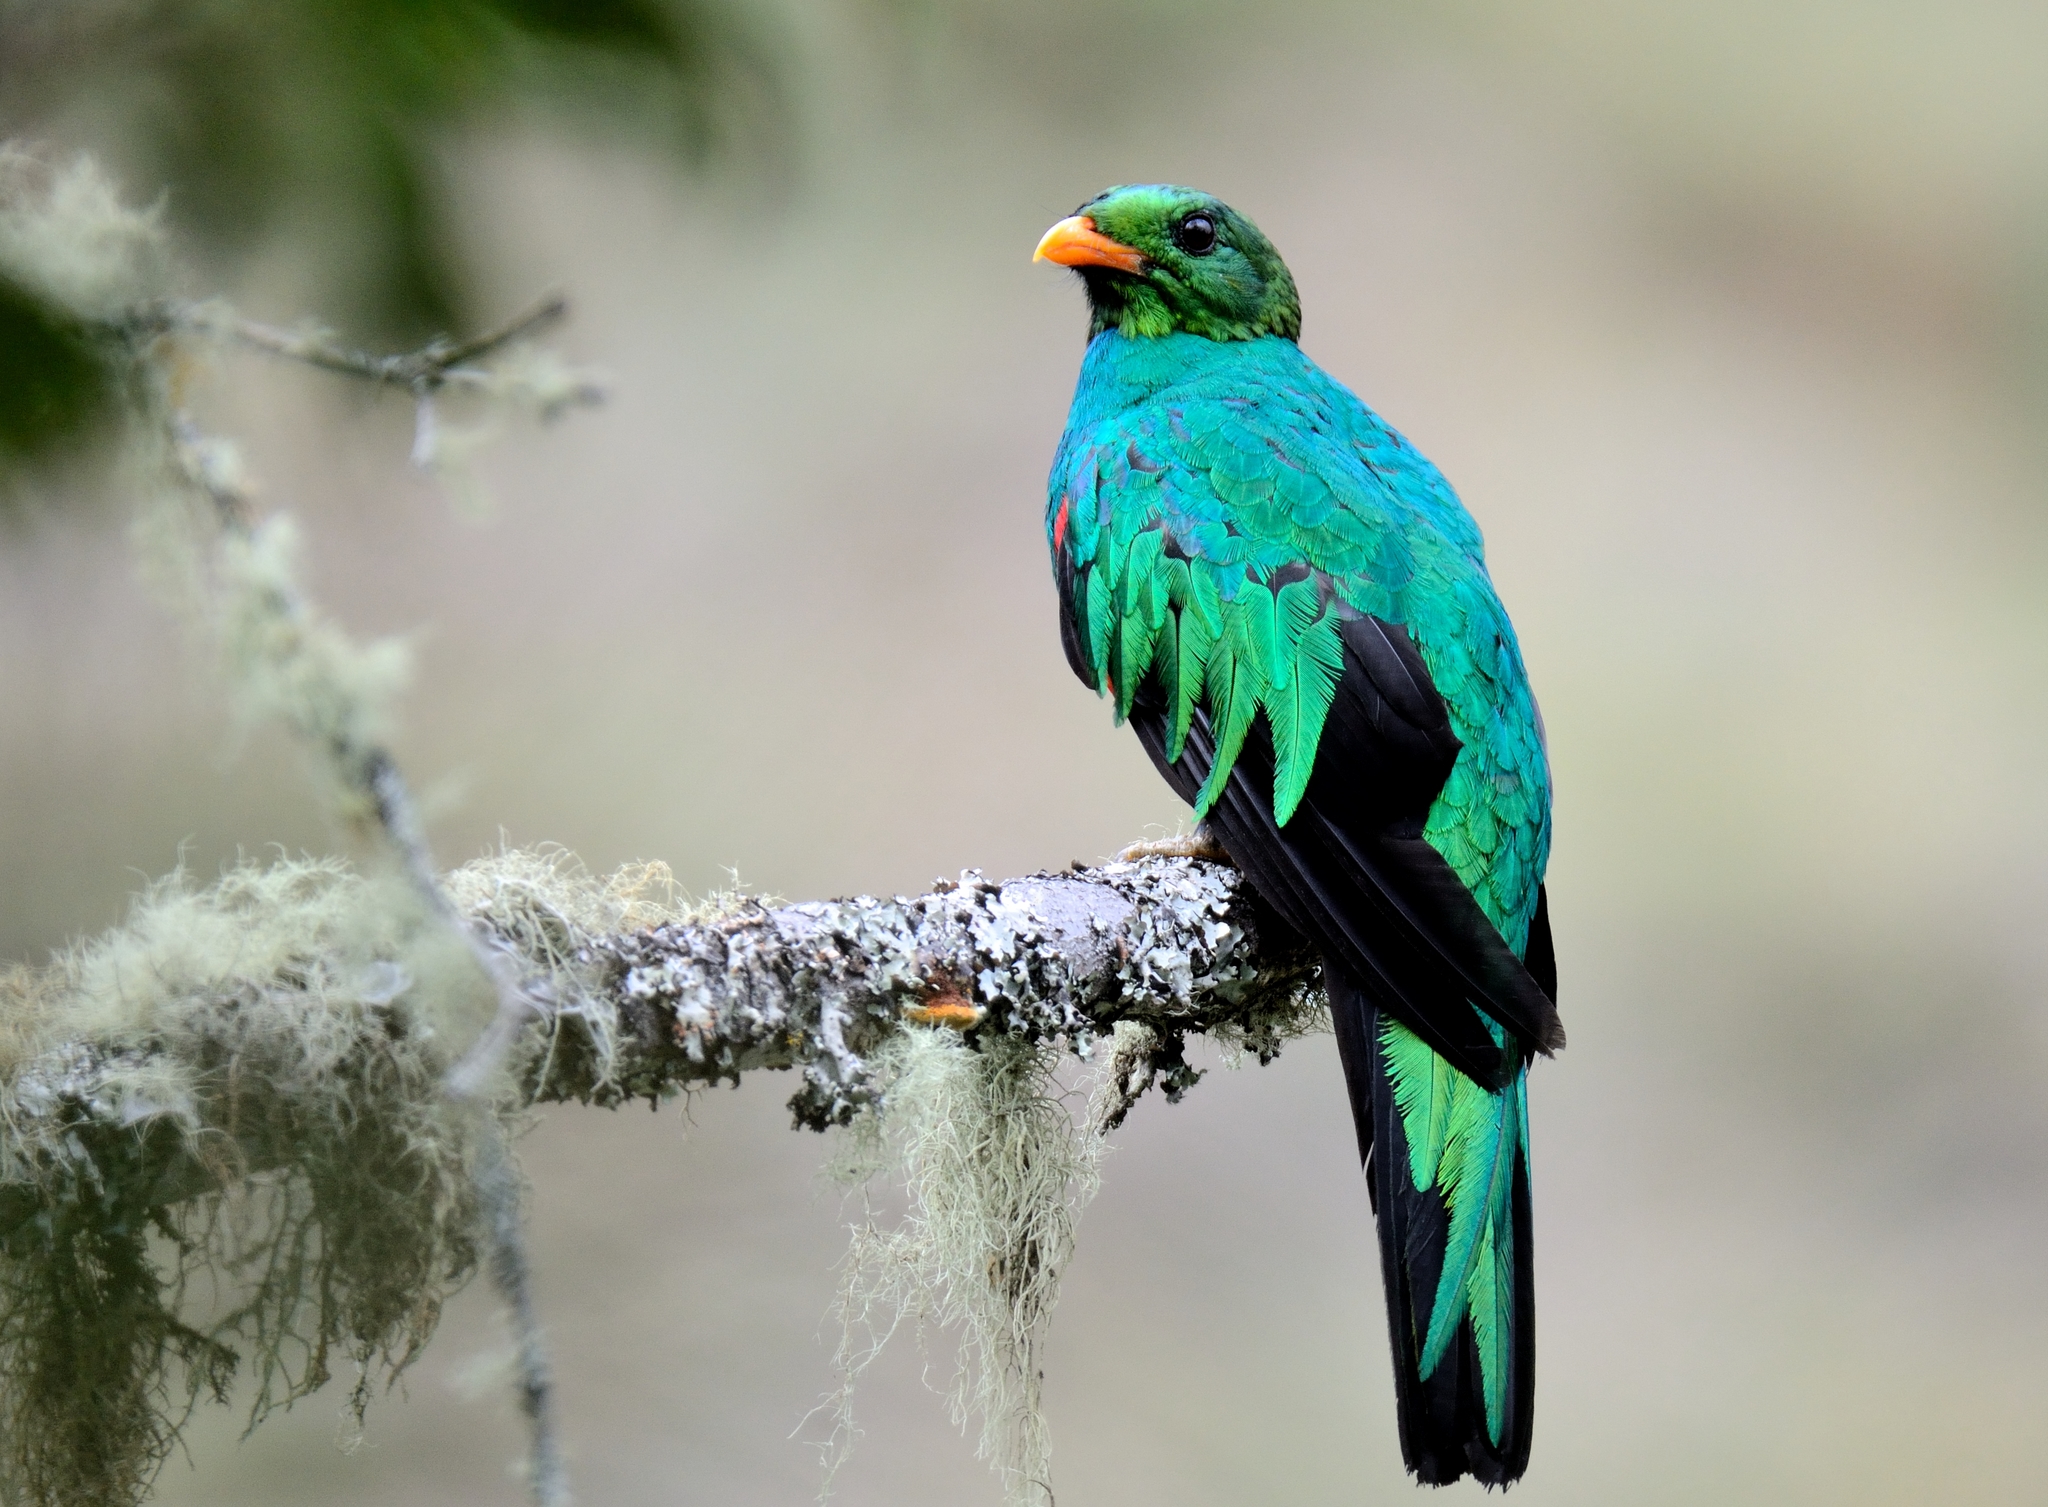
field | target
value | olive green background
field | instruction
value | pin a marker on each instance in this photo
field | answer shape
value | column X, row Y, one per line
column 1727, row 321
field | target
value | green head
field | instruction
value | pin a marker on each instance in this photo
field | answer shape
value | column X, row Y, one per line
column 1161, row 260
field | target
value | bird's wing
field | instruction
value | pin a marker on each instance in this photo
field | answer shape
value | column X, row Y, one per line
column 1211, row 549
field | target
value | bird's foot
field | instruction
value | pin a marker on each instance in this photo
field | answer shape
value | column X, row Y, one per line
column 1200, row 843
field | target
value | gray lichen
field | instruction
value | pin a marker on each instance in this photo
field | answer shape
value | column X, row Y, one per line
column 1173, row 944
column 995, row 1170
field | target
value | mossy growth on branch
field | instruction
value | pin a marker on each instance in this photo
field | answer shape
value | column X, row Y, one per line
column 995, row 1168
column 227, row 1151
column 224, row 1152
column 229, row 1156
column 256, row 1137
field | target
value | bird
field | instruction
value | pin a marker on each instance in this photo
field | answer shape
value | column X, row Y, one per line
column 1291, row 607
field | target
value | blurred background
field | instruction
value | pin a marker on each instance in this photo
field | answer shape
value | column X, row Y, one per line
column 1729, row 321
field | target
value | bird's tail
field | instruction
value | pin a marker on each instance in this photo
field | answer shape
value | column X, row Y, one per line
column 1448, row 1171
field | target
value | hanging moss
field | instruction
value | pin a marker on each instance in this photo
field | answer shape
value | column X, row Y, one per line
column 997, row 1170
column 242, row 1082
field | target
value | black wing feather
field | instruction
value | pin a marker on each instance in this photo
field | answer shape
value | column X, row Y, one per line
column 1306, row 882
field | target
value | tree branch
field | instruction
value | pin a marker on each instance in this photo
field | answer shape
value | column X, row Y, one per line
column 274, row 1041
column 362, row 768
column 1176, row 944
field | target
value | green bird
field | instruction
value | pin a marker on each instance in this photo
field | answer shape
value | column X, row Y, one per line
column 1291, row 607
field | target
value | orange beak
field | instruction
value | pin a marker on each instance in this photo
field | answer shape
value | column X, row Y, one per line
column 1075, row 242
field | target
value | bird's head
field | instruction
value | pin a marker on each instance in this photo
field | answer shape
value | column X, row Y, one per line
column 1161, row 260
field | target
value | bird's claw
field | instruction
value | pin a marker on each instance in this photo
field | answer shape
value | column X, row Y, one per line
column 1200, row 843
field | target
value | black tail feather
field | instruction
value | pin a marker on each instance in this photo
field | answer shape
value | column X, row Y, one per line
column 1442, row 1419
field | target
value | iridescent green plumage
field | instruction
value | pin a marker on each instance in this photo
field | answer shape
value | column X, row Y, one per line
column 1293, row 608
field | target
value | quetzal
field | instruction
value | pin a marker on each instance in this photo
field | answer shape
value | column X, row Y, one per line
column 1292, row 608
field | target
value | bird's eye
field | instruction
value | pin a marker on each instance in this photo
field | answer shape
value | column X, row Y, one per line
column 1196, row 235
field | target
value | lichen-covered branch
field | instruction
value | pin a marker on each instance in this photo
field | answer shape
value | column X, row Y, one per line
column 244, row 970
column 1174, row 944
column 283, row 652
column 91, row 1314
column 256, row 1069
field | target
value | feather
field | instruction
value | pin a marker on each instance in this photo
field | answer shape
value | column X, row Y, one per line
column 1243, row 680
column 1308, row 644
column 1166, row 658
column 1096, row 625
column 1197, row 640
column 1478, row 1156
column 1137, row 627
column 1422, row 1083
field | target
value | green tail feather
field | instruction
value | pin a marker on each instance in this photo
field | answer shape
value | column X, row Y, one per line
column 1464, row 1142
column 1239, row 691
column 1095, row 625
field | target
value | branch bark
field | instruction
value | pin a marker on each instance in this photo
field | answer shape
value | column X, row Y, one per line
column 1177, row 944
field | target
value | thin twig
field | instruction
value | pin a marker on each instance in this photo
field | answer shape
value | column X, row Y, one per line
column 433, row 365
column 497, row 1180
column 546, row 312
column 368, row 771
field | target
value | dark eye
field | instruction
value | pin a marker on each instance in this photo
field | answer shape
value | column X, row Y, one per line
column 1196, row 235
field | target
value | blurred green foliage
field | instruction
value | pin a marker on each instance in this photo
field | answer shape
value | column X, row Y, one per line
column 53, row 384
column 333, row 122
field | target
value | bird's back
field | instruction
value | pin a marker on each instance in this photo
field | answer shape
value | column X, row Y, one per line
column 1249, row 457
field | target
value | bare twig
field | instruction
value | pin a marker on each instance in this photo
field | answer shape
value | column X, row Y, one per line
column 497, row 1178
column 367, row 771
column 433, row 364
